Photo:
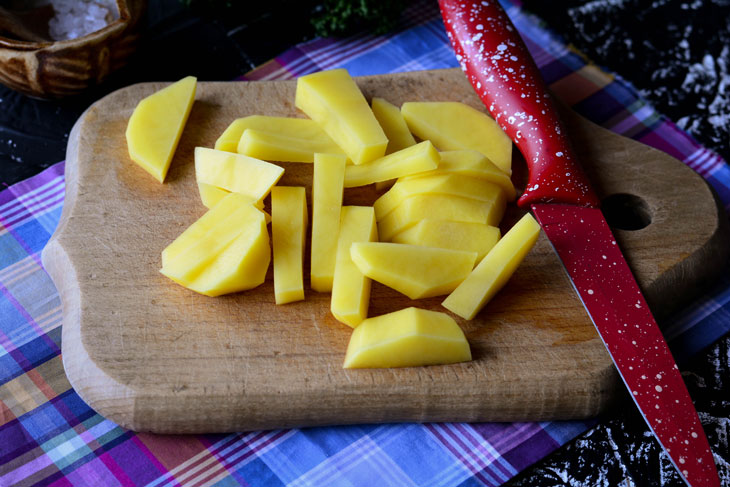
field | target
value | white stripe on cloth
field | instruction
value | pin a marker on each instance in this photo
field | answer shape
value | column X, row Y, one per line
column 366, row 449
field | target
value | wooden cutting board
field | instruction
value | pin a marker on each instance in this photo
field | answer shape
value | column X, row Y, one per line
column 151, row 355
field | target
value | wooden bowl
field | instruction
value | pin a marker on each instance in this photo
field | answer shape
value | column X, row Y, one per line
column 63, row 68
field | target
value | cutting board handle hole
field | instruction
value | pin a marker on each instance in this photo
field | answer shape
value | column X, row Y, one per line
column 626, row 211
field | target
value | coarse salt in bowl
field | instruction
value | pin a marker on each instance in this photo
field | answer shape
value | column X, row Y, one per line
column 91, row 45
column 77, row 18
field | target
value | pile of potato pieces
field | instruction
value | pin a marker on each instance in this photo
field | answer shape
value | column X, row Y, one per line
column 434, row 232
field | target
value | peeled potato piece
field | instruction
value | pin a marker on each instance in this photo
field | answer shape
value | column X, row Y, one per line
column 350, row 288
column 278, row 147
column 212, row 195
column 446, row 184
column 156, row 124
column 327, row 188
column 418, row 272
column 234, row 208
column 469, row 163
column 456, row 126
column 288, row 232
column 407, row 338
column 441, row 207
column 394, row 125
column 411, row 160
column 241, row 266
column 335, row 102
column 472, row 237
column 494, row 270
column 293, row 128
column 235, row 172
column 226, row 250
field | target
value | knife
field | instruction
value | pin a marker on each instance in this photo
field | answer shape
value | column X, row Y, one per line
column 504, row 75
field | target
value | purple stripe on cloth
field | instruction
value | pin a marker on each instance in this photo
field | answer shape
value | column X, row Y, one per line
column 554, row 70
column 5, row 341
column 22, row 203
column 22, row 362
column 489, row 457
column 26, row 470
column 23, row 187
column 214, row 448
column 59, row 403
column 19, row 214
column 541, row 56
column 528, row 443
column 457, row 445
column 140, row 452
column 243, row 452
column 15, row 441
column 506, row 436
column 14, row 207
column 656, row 139
column 116, row 470
column 55, row 480
column 445, row 434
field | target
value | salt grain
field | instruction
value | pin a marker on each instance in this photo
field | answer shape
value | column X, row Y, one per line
column 77, row 18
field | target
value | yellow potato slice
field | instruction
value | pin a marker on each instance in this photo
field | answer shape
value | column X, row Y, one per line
column 211, row 195
column 327, row 188
column 394, row 125
column 411, row 160
column 456, row 126
column 470, row 163
column 288, row 233
column 227, row 208
column 156, row 124
column 418, row 272
column 279, row 147
column 441, row 207
column 241, row 266
column 295, row 128
column 494, row 270
column 235, row 172
column 334, row 101
column 472, row 237
column 213, row 255
column 350, row 288
column 446, row 184
column 407, row 338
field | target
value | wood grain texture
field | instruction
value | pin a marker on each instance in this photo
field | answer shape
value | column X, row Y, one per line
column 153, row 356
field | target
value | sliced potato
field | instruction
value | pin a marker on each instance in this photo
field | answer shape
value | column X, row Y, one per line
column 156, row 124
column 236, row 173
column 335, row 102
column 350, row 287
column 411, row 160
column 494, row 270
column 416, row 271
column 288, row 234
column 407, row 338
column 327, row 188
column 456, row 126
column 472, row 237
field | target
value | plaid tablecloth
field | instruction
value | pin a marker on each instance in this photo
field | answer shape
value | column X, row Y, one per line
column 49, row 436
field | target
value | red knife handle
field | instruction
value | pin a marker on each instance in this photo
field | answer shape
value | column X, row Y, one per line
column 504, row 75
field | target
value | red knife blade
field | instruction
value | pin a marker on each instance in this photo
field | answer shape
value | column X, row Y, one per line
column 504, row 75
